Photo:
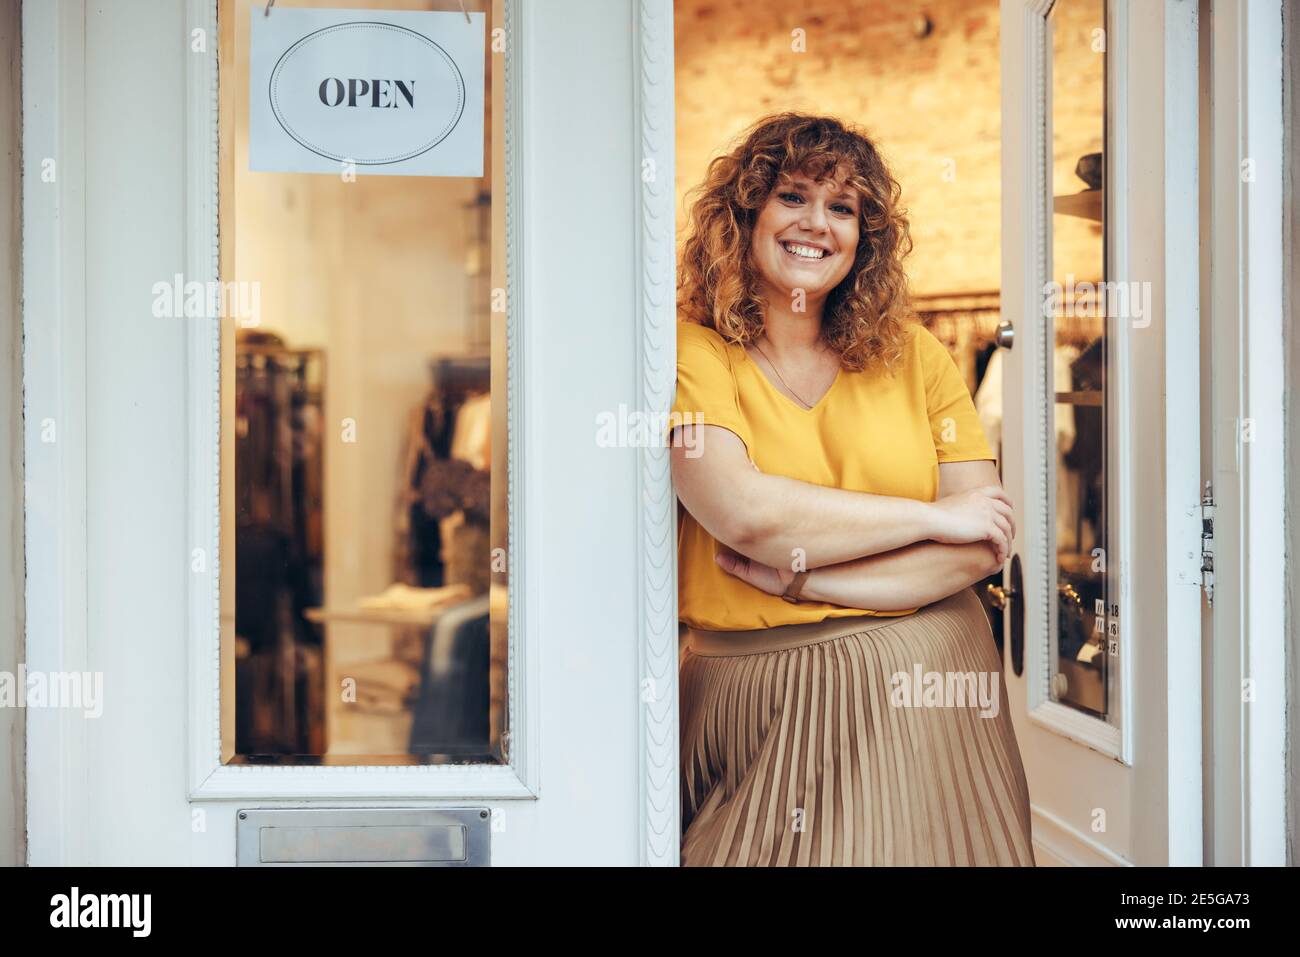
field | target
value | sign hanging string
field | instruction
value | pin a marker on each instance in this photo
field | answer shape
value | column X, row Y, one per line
column 271, row 3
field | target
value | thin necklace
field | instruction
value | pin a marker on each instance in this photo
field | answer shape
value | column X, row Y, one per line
column 805, row 403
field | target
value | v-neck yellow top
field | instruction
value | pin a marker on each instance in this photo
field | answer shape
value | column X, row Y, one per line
column 870, row 432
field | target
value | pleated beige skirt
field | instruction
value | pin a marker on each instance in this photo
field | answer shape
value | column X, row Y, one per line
column 852, row 741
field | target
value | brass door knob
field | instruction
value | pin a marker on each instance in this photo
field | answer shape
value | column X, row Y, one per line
column 1069, row 595
column 1000, row 596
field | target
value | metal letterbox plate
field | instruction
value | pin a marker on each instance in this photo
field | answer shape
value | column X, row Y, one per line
column 367, row 837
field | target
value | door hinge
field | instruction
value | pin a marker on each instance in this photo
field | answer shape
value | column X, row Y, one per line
column 1207, row 542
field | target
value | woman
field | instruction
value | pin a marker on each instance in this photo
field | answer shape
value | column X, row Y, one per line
column 841, row 700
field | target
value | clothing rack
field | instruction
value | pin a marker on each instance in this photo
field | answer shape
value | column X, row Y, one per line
column 967, row 323
column 288, row 379
column 452, row 380
column 279, row 549
column 458, row 376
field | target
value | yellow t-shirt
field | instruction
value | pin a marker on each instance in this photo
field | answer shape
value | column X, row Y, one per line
column 871, row 432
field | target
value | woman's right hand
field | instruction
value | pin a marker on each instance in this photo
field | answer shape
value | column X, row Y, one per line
column 979, row 515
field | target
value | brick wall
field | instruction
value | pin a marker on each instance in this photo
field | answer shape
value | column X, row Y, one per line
column 931, row 102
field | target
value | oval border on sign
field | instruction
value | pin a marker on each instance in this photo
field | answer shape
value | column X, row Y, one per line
column 275, row 111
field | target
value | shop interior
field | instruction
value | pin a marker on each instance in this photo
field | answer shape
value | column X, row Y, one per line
column 923, row 78
column 364, row 522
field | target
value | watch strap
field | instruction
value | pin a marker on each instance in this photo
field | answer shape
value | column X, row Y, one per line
column 791, row 593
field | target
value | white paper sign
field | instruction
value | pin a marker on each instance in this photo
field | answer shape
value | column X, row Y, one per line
column 397, row 93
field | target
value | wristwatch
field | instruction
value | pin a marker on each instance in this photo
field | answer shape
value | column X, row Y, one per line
column 791, row 593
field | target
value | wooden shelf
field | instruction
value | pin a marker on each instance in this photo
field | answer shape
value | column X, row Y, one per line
column 1092, row 397
column 402, row 617
column 1089, row 204
column 423, row 617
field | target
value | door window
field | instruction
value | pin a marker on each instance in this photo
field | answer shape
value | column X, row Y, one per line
column 1077, row 302
column 364, row 448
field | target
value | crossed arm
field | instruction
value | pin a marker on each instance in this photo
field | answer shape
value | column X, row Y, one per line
column 920, row 573
column 863, row 551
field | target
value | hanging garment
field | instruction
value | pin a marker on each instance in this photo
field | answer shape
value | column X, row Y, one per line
column 1067, row 478
column 472, row 436
column 988, row 401
column 418, row 541
column 453, row 707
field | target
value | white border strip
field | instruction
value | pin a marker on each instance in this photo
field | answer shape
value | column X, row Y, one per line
column 1182, row 452
column 1263, row 460
column 54, row 398
column 660, row 818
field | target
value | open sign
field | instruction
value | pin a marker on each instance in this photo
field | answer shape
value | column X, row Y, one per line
column 393, row 92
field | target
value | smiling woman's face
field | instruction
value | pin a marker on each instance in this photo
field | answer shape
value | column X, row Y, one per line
column 806, row 236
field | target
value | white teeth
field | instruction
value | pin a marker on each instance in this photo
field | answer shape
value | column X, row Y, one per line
column 807, row 252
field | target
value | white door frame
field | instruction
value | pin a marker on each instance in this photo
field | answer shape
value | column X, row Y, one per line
column 13, row 836
column 209, row 778
column 54, row 409
column 1150, row 766
column 1249, row 779
column 581, row 578
column 655, row 111
column 1291, row 265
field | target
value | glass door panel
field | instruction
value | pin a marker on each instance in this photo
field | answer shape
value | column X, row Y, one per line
column 1078, row 367
column 364, row 504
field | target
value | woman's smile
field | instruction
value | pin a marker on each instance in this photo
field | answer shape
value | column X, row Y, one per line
column 804, row 252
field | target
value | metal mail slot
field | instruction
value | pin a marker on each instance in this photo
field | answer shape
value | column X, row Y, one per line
column 343, row 837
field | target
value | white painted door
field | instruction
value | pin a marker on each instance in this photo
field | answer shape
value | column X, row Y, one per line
column 124, row 505
column 1100, row 435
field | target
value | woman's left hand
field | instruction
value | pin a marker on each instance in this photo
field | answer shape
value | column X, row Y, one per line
column 774, row 581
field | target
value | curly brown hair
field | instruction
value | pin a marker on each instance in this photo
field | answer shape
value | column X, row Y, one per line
column 717, row 284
